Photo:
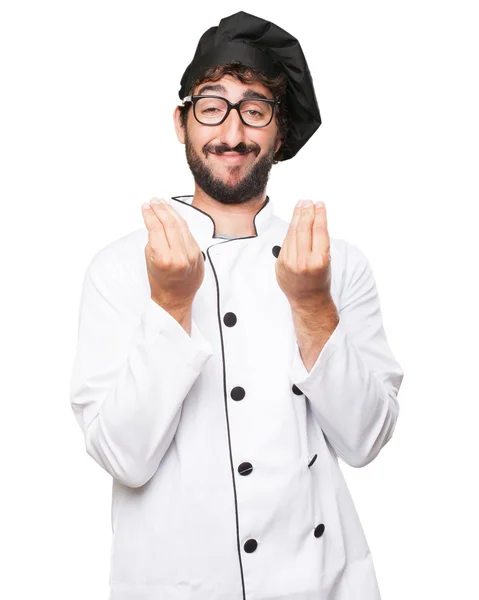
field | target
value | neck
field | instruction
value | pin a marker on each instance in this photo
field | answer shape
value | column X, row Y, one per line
column 231, row 219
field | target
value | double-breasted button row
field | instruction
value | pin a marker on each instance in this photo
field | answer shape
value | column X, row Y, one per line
column 238, row 393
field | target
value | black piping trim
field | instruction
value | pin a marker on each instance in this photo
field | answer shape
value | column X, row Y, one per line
column 177, row 198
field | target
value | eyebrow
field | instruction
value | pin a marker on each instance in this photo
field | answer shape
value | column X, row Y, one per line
column 220, row 88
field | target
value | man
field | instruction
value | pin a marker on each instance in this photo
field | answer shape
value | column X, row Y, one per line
column 226, row 358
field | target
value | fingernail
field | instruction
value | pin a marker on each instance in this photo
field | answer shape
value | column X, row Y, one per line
column 307, row 203
column 145, row 205
column 300, row 203
column 319, row 204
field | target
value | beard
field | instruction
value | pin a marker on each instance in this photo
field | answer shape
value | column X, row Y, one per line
column 251, row 186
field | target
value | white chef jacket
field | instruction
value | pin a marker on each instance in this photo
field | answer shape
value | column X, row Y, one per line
column 223, row 449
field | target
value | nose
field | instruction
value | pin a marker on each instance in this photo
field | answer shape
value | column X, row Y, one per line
column 232, row 131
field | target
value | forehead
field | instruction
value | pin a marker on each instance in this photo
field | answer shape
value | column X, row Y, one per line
column 232, row 88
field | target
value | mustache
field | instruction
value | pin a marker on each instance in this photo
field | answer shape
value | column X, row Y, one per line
column 241, row 148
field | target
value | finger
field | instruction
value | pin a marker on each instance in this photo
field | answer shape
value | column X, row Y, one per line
column 156, row 232
column 171, row 225
column 191, row 244
column 304, row 232
column 321, row 241
column 289, row 244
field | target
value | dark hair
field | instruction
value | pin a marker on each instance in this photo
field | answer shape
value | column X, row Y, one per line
column 246, row 74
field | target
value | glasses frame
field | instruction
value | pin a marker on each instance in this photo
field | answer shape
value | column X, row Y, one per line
column 236, row 106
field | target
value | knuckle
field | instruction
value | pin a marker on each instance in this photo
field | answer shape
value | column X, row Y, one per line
column 302, row 267
column 182, row 264
column 317, row 264
column 160, row 260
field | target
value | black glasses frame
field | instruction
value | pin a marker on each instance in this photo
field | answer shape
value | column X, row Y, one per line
column 236, row 106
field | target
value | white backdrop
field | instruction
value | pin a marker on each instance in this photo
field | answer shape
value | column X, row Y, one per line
column 87, row 94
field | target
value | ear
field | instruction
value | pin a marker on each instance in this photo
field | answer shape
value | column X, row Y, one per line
column 278, row 144
column 180, row 131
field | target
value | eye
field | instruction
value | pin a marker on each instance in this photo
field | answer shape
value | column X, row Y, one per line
column 211, row 108
column 254, row 111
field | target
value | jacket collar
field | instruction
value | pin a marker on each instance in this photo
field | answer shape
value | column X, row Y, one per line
column 201, row 223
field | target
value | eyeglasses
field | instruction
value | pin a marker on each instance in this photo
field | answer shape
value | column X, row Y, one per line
column 214, row 110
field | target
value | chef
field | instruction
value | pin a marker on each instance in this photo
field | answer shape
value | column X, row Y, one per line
column 227, row 359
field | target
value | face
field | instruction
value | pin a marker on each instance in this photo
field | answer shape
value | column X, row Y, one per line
column 230, row 162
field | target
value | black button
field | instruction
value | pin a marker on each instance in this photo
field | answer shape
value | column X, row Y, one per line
column 319, row 530
column 204, row 257
column 229, row 319
column 250, row 546
column 276, row 250
column 296, row 390
column 245, row 468
column 238, row 393
column 313, row 459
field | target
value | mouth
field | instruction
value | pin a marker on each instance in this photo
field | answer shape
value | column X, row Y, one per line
column 231, row 157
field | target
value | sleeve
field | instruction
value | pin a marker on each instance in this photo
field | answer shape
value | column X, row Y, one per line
column 131, row 372
column 352, row 388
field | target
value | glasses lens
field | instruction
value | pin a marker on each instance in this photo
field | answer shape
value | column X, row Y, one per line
column 211, row 111
column 256, row 112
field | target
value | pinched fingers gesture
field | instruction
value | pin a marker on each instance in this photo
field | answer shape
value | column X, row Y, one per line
column 303, row 268
column 174, row 260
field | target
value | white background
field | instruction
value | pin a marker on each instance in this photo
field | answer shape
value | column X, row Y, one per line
column 87, row 95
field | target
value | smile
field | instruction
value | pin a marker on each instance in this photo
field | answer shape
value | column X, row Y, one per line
column 231, row 157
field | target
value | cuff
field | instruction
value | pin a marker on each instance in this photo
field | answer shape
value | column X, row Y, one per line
column 194, row 349
column 299, row 374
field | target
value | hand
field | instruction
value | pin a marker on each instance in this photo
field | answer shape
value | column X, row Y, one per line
column 303, row 267
column 174, row 260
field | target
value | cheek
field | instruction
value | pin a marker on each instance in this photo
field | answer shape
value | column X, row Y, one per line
column 200, row 136
column 266, row 141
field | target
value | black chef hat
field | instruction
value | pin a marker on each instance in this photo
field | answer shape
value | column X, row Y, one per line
column 269, row 49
